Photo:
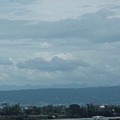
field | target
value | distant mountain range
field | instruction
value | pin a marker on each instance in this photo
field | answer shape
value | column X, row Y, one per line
column 98, row 95
column 28, row 86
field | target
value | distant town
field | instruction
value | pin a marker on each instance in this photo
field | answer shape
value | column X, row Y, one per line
column 18, row 112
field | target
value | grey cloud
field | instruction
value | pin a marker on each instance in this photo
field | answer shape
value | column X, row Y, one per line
column 5, row 61
column 17, row 1
column 56, row 64
column 22, row 1
column 96, row 27
column 11, row 8
column 89, row 75
column 115, row 7
column 79, row 72
column 84, row 6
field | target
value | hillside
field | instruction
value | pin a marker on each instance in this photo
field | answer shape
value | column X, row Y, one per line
column 100, row 95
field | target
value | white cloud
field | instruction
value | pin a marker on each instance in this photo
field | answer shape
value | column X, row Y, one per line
column 67, row 56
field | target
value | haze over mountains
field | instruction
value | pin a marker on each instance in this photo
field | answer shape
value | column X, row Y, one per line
column 29, row 86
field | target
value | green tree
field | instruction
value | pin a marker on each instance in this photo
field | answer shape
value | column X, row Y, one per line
column 74, row 110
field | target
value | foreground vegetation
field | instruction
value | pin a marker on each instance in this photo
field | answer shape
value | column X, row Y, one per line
column 17, row 112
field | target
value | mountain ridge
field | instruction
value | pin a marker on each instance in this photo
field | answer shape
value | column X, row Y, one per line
column 99, row 95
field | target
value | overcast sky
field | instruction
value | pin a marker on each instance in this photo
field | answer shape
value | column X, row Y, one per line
column 45, row 42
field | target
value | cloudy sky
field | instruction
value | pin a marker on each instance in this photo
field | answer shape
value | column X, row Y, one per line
column 45, row 42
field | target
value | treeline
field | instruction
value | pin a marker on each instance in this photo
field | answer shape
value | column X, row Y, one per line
column 18, row 112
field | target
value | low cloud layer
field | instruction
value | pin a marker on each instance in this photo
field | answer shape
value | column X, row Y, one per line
column 55, row 64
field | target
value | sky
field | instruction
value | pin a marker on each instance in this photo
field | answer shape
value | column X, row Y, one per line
column 60, row 42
